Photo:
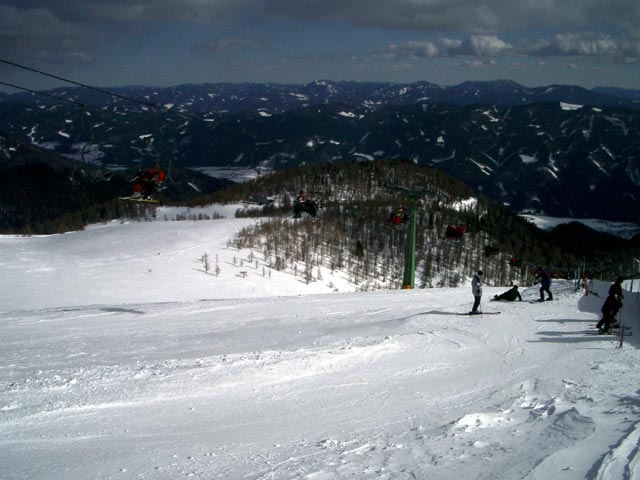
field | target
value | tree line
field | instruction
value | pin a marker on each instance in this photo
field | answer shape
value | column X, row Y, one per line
column 38, row 198
column 353, row 232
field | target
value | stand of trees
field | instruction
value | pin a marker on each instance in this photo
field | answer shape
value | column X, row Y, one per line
column 38, row 198
column 353, row 233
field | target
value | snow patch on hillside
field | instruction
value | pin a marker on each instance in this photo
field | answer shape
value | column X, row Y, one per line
column 621, row 229
column 570, row 106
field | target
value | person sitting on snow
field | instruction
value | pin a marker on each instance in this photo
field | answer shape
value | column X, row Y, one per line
column 510, row 295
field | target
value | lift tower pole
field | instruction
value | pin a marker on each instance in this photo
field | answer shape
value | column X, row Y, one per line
column 409, row 278
column 413, row 196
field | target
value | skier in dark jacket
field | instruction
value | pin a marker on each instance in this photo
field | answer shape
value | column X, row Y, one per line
column 510, row 295
column 611, row 306
column 545, row 283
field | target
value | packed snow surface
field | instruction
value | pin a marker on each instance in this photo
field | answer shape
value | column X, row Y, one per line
column 121, row 358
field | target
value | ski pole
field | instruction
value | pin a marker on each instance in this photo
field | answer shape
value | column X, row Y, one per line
column 621, row 328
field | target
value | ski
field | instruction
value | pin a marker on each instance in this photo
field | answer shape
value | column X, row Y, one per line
column 608, row 334
column 140, row 199
column 480, row 313
column 617, row 327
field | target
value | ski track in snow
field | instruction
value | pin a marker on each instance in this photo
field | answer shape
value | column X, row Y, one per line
column 380, row 385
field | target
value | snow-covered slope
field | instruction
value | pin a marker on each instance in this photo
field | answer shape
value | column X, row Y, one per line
column 141, row 262
column 121, row 358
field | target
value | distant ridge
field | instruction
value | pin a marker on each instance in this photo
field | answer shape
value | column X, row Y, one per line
column 237, row 97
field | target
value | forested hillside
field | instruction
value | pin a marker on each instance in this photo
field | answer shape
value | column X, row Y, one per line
column 43, row 193
column 353, row 232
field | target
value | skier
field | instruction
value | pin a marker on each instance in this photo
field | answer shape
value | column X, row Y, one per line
column 147, row 181
column 476, row 289
column 545, row 283
column 611, row 306
column 509, row 295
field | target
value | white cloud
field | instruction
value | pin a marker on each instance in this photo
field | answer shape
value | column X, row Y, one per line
column 577, row 45
column 586, row 44
column 476, row 45
column 486, row 45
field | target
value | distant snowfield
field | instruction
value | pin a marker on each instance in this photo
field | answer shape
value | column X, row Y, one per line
column 621, row 229
column 142, row 262
column 236, row 174
column 121, row 359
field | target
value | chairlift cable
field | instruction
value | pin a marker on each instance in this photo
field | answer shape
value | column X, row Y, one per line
column 97, row 89
column 149, row 105
column 98, row 175
column 84, row 107
column 55, row 97
column 157, row 131
column 84, row 85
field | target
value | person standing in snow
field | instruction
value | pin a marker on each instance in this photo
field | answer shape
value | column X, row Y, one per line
column 611, row 306
column 476, row 289
column 545, row 283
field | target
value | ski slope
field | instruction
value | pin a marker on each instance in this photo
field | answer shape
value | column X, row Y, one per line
column 120, row 358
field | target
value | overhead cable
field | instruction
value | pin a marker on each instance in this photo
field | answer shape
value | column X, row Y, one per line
column 90, row 87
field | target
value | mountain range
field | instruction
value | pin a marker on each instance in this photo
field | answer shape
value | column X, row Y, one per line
column 557, row 150
column 216, row 98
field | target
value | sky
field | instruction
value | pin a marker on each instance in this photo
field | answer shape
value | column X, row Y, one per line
column 169, row 42
column 121, row 358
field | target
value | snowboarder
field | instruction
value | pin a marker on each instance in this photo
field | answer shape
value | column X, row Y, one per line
column 476, row 289
column 509, row 295
column 147, row 181
column 611, row 306
column 545, row 283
